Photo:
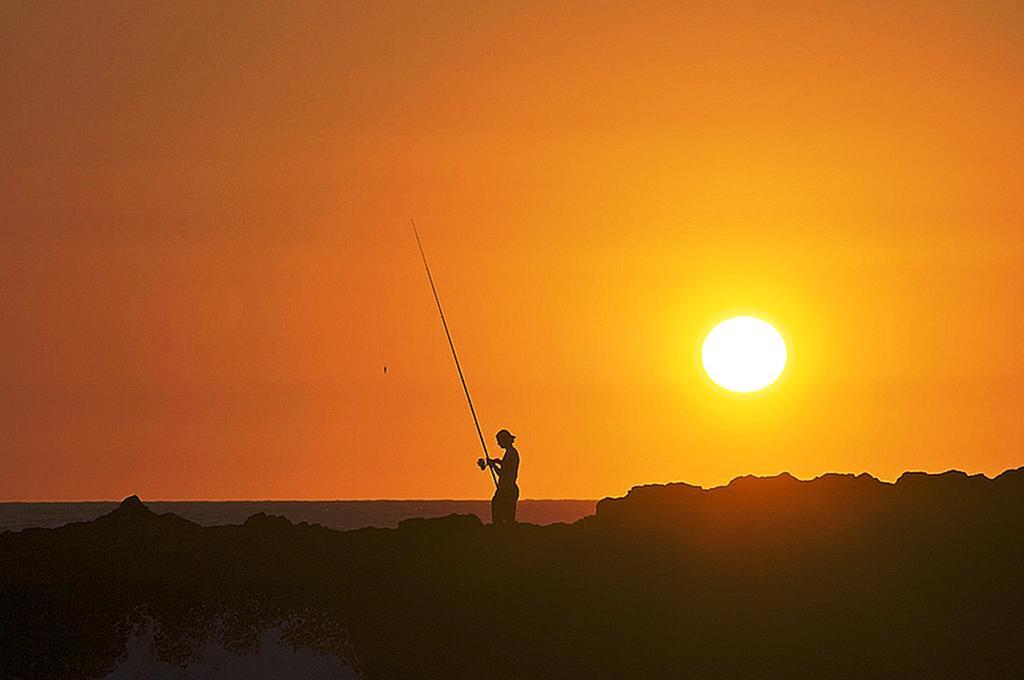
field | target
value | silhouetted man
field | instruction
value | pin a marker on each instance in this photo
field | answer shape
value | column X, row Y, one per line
column 503, row 505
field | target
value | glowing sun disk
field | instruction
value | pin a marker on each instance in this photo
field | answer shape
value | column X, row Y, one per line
column 743, row 354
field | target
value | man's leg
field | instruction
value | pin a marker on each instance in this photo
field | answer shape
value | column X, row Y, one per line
column 513, row 502
column 496, row 515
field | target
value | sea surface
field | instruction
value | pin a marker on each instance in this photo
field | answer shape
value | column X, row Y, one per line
column 333, row 514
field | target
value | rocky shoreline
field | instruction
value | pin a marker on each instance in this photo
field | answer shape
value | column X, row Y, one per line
column 842, row 576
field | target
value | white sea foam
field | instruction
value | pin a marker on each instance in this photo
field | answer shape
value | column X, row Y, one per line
column 272, row 659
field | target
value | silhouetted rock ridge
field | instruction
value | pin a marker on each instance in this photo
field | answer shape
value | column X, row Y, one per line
column 843, row 576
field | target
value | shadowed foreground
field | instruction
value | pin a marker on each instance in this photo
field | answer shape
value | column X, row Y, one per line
column 841, row 576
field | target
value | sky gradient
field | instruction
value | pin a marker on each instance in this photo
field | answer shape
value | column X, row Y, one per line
column 205, row 258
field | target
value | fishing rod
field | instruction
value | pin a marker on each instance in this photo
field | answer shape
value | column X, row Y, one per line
column 455, row 356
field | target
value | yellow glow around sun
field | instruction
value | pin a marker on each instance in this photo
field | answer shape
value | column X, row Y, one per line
column 744, row 354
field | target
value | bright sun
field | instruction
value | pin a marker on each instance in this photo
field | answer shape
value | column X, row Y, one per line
column 743, row 354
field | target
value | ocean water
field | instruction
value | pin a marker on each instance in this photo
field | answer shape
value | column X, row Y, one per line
column 340, row 515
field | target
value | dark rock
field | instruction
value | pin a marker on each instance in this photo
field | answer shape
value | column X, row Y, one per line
column 133, row 513
column 449, row 523
column 842, row 576
column 262, row 520
column 132, row 504
column 131, row 510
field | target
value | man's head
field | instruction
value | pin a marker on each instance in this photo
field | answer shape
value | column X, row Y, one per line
column 505, row 438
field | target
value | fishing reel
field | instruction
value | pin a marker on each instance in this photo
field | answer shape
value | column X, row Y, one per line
column 481, row 463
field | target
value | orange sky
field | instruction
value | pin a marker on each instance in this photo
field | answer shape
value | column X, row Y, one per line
column 205, row 259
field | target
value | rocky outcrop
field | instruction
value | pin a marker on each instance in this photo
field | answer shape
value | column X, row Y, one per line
column 843, row 576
